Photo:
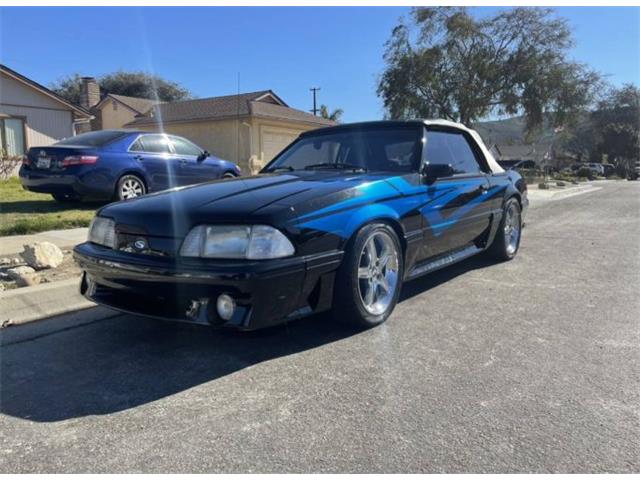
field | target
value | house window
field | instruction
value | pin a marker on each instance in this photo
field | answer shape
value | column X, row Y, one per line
column 115, row 105
column 12, row 136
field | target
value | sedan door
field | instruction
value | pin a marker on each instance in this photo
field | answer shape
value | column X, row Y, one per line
column 153, row 153
column 459, row 207
column 193, row 167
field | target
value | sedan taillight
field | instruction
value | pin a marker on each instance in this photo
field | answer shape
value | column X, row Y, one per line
column 79, row 160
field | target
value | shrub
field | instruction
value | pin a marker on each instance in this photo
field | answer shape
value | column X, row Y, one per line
column 585, row 172
column 9, row 165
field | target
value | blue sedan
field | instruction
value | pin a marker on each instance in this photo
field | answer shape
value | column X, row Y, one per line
column 119, row 164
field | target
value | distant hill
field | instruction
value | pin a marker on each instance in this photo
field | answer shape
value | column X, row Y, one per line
column 510, row 131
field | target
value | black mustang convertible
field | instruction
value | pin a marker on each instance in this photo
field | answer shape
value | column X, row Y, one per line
column 338, row 220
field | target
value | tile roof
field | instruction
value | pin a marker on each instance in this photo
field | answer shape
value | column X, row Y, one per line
column 227, row 106
column 140, row 105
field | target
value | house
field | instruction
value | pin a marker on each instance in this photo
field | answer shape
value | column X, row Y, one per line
column 248, row 128
column 525, row 156
column 110, row 110
column 32, row 115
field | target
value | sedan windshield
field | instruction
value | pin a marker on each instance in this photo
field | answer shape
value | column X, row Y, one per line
column 383, row 149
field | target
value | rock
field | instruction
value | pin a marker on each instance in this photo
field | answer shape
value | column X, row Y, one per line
column 42, row 255
column 1, row 287
column 560, row 184
column 4, row 275
column 23, row 276
column 543, row 186
column 16, row 261
column 5, row 261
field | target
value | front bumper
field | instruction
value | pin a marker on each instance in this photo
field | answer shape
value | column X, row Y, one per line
column 266, row 292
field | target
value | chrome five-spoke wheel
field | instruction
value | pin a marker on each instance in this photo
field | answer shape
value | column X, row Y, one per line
column 506, row 243
column 512, row 227
column 369, row 279
column 378, row 272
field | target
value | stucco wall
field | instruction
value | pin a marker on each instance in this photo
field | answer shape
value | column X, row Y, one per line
column 46, row 119
column 220, row 138
column 257, row 138
column 115, row 118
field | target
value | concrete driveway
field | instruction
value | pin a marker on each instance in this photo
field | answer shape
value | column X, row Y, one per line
column 527, row 366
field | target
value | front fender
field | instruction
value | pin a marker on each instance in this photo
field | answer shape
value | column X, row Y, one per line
column 344, row 224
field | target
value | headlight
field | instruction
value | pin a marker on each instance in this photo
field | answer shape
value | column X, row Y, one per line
column 254, row 242
column 103, row 232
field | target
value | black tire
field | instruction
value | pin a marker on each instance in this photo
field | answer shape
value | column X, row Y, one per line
column 128, row 185
column 349, row 305
column 503, row 247
column 64, row 198
column 229, row 175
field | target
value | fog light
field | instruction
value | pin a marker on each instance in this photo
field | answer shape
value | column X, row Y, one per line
column 225, row 306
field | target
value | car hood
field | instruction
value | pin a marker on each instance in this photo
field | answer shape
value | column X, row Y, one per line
column 271, row 199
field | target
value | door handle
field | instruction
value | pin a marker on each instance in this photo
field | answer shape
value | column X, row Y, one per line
column 483, row 188
column 138, row 157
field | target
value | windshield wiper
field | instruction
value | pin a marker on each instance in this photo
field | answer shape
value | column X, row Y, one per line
column 335, row 166
column 286, row 168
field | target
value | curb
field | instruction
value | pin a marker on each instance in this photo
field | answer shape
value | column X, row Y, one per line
column 537, row 194
column 28, row 304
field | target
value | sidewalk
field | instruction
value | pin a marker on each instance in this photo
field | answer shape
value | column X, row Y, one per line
column 62, row 238
column 558, row 193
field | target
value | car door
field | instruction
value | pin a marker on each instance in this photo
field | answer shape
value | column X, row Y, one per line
column 458, row 207
column 152, row 151
column 192, row 167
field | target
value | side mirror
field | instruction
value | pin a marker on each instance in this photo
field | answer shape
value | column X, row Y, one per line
column 432, row 171
column 203, row 155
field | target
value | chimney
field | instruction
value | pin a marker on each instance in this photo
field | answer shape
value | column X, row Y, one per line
column 90, row 95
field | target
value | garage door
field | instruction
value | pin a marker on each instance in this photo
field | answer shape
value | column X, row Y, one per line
column 274, row 142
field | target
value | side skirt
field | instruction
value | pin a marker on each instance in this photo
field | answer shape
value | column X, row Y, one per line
column 429, row 266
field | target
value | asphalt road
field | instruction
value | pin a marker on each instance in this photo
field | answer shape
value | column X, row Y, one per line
column 527, row 366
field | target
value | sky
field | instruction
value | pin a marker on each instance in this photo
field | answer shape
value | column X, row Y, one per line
column 287, row 49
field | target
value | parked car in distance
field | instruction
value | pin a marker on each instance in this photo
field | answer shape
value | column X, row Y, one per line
column 594, row 168
column 118, row 164
column 597, row 168
column 338, row 220
column 608, row 169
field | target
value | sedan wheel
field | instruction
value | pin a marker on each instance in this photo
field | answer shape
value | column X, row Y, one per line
column 130, row 186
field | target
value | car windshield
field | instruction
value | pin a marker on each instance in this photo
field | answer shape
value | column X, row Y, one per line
column 382, row 149
column 93, row 139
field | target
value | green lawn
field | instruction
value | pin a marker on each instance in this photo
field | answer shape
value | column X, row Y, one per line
column 24, row 212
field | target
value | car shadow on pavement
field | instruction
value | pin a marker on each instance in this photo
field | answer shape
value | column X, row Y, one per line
column 431, row 280
column 124, row 361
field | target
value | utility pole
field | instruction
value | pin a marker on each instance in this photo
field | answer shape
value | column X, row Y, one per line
column 315, row 109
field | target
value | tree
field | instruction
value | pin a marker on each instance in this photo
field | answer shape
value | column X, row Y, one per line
column 616, row 125
column 131, row 84
column 449, row 64
column 336, row 115
column 69, row 87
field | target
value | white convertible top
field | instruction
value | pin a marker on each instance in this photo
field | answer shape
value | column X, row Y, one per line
column 493, row 165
